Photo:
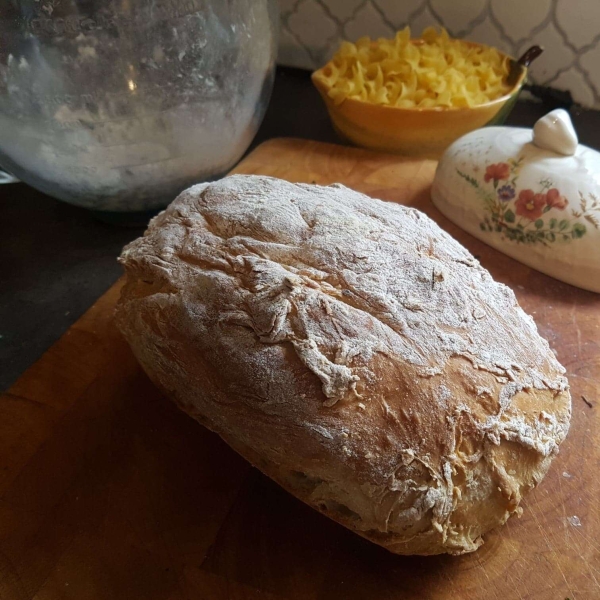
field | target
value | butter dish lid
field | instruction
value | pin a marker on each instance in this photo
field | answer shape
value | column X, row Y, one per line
column 533, row 194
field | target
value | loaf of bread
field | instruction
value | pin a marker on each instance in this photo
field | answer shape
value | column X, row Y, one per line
column 352, row 351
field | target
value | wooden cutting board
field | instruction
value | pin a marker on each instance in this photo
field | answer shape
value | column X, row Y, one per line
column 108, row 492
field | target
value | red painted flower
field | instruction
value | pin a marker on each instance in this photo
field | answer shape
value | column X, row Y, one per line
column 497, row 172
column 530, row 205
column 555, row 200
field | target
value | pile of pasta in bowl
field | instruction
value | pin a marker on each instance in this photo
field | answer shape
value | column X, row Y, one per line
column 435, row 70
column 434, row 74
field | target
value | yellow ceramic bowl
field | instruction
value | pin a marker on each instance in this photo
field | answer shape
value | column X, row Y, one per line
column 423, row 132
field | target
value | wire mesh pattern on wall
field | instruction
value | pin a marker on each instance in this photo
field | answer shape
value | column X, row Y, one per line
column 569, row 31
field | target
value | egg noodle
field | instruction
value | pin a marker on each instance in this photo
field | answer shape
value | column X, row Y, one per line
column 435, row 70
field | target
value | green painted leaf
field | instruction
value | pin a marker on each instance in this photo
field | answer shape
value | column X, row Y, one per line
column 563, row 225
column 552, row 223
column 509, row 216
column 550, row 236
column 578, row 230
column 468, row 178
column 539, row 224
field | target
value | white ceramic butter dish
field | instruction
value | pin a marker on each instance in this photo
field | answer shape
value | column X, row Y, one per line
column 532, row 194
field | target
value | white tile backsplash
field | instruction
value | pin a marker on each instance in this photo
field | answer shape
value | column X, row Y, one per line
column 569, row 30
column 487, row 32
column 313, row 27
column 590, row 61
column 556, row 58
column 342, row 10
column 368, row 21
column 575, row 81
column 398, row 12
column 579, row 20
column 458, row 15
column 519, row 18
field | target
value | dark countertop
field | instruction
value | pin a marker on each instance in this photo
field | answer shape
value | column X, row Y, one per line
column 57, row 259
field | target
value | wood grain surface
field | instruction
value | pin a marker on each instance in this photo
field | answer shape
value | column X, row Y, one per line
column 108, row 492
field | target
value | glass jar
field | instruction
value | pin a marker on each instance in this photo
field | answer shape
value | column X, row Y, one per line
column 119, row 105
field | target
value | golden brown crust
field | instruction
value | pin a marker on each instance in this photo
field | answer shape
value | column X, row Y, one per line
column 351, row 350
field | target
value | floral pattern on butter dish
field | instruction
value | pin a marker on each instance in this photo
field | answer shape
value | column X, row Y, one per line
column 530, row 216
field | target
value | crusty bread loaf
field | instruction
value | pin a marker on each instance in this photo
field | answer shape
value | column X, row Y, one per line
column 351, row 350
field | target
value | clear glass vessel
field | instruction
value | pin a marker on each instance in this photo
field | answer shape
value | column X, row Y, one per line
column 118, row 105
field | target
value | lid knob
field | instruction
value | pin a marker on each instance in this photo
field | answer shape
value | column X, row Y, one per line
column 555, row 132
